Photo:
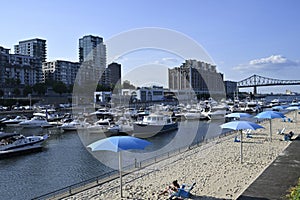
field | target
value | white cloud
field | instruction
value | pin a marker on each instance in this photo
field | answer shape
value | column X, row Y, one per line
column 273, row 62
column 273, row 59
column 169, row 61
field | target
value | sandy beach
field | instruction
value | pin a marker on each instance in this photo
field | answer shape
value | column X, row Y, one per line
column 214, row 167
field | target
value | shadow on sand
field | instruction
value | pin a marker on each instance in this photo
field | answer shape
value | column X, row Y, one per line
column 196, row 197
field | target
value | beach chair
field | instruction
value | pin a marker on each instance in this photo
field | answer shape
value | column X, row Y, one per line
column 183, row 192
column 281, row 132
column 284, row 119
column 236, row 139
column 248, row 133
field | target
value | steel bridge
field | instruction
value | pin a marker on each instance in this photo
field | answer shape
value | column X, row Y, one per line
column 259, row 81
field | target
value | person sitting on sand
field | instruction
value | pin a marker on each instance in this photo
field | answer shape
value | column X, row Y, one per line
column 288, row 136
column 171, row 188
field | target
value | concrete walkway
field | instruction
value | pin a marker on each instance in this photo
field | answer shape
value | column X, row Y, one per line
column 276, row 180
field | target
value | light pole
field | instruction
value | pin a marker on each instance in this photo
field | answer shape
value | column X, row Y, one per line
column 29, row 96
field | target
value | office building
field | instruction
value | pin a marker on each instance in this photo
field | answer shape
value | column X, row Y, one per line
column 195, row 78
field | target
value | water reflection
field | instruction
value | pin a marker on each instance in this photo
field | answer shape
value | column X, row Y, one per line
column 65, row 159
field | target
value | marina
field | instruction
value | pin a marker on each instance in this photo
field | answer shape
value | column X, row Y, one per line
column 54, row 170
column 50, row 169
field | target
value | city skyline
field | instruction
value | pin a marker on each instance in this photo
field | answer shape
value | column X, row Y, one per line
column 242, row 38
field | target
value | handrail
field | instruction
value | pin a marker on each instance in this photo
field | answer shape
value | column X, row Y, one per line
column 99, row 180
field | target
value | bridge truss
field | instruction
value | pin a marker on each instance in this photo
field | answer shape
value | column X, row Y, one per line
column 258, row 81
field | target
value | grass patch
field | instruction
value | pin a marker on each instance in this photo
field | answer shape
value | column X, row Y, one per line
column 294, row 192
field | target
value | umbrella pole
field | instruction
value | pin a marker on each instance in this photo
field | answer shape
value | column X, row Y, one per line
column 120, row 170
column 241, row 146
column 270, row 130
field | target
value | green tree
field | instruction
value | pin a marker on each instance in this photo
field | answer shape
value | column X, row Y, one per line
column 60, row 87
column 16, row 91
column 40, row 88
column 128, row 85
column 102, row 88
column 27, row 90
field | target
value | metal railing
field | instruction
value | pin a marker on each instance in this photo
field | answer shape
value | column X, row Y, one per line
column 137, row 165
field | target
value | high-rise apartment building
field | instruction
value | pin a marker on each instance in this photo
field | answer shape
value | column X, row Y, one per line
column 61, row 70
column 21, row 68
column 92, row 57
column 33, row 47
column 113, row 74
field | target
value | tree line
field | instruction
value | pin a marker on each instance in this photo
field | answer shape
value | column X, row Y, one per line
column 58, row 87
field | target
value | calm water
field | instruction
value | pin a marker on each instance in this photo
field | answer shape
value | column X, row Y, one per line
column 65, row 160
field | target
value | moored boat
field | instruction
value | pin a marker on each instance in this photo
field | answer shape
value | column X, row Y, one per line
column 74, row 125
column 15, row 121
column 99, row 126
column 15, row 144
column 152, row 125
column 123, row 125
column 34, row 122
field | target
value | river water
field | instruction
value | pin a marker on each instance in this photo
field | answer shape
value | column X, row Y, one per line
column 66, row 161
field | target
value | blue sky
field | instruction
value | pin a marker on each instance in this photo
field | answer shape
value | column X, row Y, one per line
column 242, row 37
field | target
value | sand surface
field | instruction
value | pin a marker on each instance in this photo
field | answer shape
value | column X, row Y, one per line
column 215, row 167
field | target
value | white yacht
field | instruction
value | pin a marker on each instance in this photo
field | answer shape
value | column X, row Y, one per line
column 196, row 114
column 152, row 125
column 34, row 122
column 74, row 125
column 99, row 126
column 15, row 121
column 17, row 144
column 253, row 107
column 123, row 125
column 219, row 111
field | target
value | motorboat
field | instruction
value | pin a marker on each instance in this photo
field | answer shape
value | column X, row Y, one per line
column 253, row 107
column 74, row 125
column 196, row 114
column 36, row 121
column 18, row 140
column 102, row 113
column 99, row 126
column 49, row 114
column 14, row 144
column 123, row 125
column 152, row 125
column 15, row 121
column 130, row 113
column 219, row 111
column 4, row 119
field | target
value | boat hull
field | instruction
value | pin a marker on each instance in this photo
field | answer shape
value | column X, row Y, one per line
column 145, row 131
column 21, row 150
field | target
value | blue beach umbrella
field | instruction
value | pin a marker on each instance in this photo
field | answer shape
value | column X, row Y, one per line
column 240, row 126
column 277, row 108
column 118, row 144
column 270, row 115
column 294, row 108
column 238, row 115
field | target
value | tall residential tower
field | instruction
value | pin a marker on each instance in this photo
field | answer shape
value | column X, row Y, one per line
column 33, row 47
column 92, row 57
